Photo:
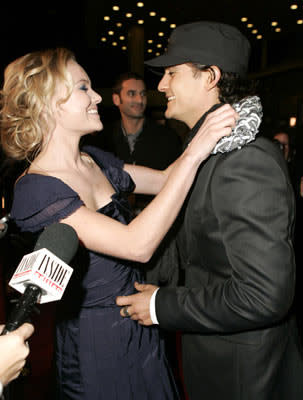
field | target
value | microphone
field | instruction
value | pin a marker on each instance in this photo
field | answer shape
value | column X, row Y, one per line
column 43, row 275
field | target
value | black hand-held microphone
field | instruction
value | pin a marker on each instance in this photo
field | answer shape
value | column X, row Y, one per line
column 43, row 275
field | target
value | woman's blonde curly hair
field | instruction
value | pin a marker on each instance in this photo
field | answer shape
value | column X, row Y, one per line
column 29, row 85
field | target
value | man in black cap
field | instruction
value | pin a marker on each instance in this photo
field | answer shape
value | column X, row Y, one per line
column 234, row 244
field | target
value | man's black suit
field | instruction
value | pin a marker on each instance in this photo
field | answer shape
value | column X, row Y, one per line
column 235, row 247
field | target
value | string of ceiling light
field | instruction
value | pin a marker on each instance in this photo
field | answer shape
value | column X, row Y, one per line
column 273, row 23
column 295, row 6
column 114, row 27
column 119, row 18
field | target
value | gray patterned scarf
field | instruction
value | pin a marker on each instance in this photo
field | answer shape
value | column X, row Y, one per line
column 250, row 112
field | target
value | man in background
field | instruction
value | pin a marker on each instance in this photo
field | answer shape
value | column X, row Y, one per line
column 283, row 140
column 137, row 139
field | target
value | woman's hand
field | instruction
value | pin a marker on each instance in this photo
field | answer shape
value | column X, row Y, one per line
column 217, row 124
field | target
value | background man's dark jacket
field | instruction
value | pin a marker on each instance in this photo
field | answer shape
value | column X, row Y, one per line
column 156, row 147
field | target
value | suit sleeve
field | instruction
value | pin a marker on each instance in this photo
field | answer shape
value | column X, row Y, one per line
column 253, row 202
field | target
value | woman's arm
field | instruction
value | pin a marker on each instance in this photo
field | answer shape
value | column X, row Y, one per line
column 138, row 240
column 148, row 180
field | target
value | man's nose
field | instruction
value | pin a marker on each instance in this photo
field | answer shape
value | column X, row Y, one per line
column 139, row 98
column 162, row 85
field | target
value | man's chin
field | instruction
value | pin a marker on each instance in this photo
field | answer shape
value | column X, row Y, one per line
column 168, row 114
column 137, row 116
column 100, row 127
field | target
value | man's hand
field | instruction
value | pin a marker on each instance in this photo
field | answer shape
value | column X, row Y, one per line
column 14, row 351
column 136, row 306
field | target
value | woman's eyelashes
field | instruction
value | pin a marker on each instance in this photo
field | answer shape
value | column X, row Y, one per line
column 84, row 87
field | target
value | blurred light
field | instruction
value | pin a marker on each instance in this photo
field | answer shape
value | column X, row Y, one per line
column 114, row 43
column 157, row 54
column 149, row 50
column 254, row 31
column 111, row 33
column 300, row 21
column 153, row 13
column 274, row 23
column 103, row 39
column 292, row 121
column 278, row 29
column 163, row 19
column 250, row 25
column 159, row 45
column 124, row 47
column 244, row 19
column 294, row 6
column 128, row 15
column 119, row 24
column 172, row 26
column 116, row 8
column 161, row 34
column 122, row 37
column 259, row 36
column 141, row 21
column 106, row 18
column 149, row 41
column 140, row 4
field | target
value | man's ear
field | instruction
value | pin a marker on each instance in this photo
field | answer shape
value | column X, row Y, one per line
column 116, row 99
column 214, row 75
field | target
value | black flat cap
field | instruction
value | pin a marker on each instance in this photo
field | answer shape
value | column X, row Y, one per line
column 207, row 43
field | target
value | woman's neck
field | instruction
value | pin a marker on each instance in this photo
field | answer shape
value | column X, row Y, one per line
column 59, row 153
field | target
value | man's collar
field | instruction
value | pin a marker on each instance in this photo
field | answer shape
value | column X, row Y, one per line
column 125, row 133
column 247, row 125
column 196, row 127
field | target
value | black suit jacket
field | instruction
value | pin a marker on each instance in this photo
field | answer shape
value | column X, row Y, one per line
column 235, row 247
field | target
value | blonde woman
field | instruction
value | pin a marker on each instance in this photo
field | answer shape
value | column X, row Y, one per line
column 48, row 104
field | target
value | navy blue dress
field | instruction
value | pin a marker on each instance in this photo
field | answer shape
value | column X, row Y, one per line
column 99, row 354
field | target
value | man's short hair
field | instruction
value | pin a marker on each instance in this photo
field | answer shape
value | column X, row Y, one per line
column 125, row 76
column 232, row 86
